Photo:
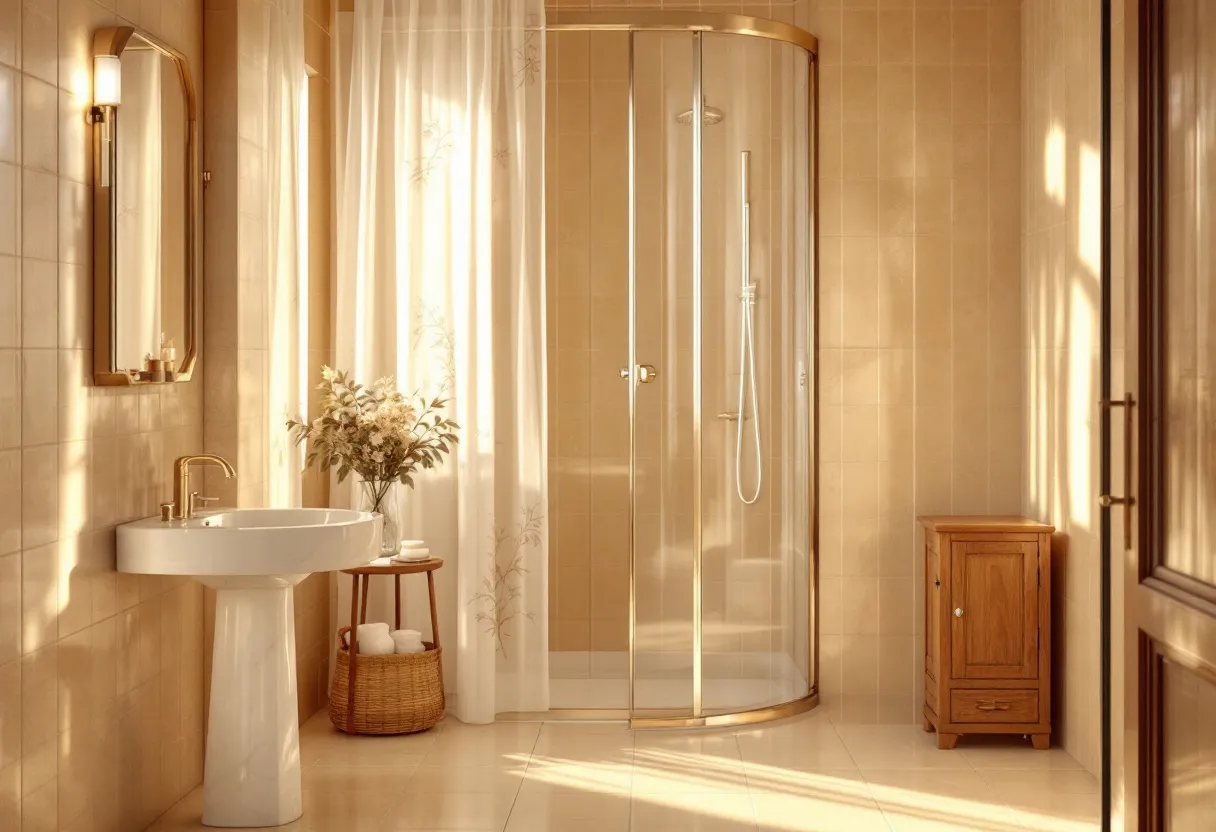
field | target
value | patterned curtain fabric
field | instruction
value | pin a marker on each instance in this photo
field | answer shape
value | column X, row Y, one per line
column 440, row 283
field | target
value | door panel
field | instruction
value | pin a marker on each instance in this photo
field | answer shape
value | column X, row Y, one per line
column 995, row 597
column 1169, row 602
column 662, row 278
column 1189, row 765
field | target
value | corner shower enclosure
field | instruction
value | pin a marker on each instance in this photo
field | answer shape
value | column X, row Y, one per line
column 680, row 213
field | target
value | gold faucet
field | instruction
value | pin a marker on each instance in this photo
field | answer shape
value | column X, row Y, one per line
column 183, row 507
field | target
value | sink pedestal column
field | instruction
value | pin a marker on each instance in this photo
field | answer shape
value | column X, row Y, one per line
column 252, row 769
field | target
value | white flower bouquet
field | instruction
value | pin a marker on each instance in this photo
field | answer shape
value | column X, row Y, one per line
column 377, row 433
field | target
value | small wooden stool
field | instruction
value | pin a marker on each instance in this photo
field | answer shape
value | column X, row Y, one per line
column 358, row 608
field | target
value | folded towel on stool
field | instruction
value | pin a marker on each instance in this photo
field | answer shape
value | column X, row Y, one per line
column 368, row 630
column 377, row 645
column 408, row 641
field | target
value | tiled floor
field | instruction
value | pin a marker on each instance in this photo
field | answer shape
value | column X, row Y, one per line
column 800, row 774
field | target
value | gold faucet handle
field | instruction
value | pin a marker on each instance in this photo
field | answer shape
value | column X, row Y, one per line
column 196, row 499
column 166, row 512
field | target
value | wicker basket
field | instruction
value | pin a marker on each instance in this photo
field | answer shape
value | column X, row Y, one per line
column 394, row 694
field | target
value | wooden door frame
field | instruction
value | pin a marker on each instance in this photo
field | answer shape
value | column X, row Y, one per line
column 1163, row 608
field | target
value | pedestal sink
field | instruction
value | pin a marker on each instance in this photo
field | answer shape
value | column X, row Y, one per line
column 252, row 558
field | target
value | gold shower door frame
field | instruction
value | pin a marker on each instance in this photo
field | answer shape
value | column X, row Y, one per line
column 697, row 23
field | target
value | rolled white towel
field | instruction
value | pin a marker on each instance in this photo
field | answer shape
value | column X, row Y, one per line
column 368, row 630
column 377, row 645
column 408, row 641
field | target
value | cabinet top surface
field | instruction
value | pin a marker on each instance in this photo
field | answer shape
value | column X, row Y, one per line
column 982, row 523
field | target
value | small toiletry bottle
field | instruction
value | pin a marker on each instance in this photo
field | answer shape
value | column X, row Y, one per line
column 168, row 354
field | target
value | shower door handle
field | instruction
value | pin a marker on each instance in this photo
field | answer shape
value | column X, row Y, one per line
column 646, row 373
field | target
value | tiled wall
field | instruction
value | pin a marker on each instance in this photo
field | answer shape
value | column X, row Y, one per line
column 235, row 423
column 101, row 705
column 587, row 239
column 919, row 318
column 1061, row 204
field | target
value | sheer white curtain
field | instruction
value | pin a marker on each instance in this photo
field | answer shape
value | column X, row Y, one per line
column 440, row 283
column 284, row 370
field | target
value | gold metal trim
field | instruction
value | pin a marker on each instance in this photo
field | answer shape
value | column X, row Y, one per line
column 756, row 715
column 638, row 20
column 667, row 717
column 698, row 292
column 633, row 357
column 566, row 715
column 112, row 40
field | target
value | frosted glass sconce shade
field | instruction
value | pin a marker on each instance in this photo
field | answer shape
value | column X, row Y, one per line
column 107, row 80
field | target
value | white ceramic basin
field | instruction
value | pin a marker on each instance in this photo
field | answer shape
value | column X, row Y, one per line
column 281, row 544
column 252, row 558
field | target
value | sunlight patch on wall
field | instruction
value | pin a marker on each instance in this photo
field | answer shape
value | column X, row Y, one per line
column 1054, row 164
column 1089, row 221
column 1082, row 361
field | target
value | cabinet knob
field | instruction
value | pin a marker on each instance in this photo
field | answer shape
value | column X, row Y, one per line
column 958, row 612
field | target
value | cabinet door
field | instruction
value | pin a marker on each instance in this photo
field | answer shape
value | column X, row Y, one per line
column 994, row 613
column 933, row 615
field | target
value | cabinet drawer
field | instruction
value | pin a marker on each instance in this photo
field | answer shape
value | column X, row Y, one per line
column 994, row 705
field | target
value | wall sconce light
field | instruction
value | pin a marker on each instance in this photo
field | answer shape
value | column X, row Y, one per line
column 107, row 81
column 107, row 94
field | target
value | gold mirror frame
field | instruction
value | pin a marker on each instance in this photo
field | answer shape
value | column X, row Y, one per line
column 106, row 373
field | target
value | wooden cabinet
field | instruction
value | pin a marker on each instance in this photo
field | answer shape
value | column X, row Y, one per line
column 987, row 627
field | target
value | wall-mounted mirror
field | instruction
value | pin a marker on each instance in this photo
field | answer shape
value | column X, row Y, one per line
column 146, row 274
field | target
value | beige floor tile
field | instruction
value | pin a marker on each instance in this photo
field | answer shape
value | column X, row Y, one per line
column 477, row 753
column 949, row 818
column 590, row 776
column 696, row 813
column 471, row 780
column 530, row 823
column 589, row 747
column 345, row 778
column 449, row 811
column 802, row 774
column 1059, row 812
column 924, row 800
column 842, row 784
column 799, row 751
column 897, row 746
column 889, row 785
column 1007, row 783
column 1000, row 752
column 826, row 812
column 560, row 808
column 320, row 742
column 658, row 771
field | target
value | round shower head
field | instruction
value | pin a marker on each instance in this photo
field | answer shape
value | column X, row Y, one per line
column 710, row 115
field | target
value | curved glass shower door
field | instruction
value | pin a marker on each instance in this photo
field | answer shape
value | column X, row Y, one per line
column 721, row 375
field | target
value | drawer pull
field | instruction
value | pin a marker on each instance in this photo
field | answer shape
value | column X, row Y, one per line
column 992, row 705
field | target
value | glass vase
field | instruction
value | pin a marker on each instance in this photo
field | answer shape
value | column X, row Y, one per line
column 380, row 497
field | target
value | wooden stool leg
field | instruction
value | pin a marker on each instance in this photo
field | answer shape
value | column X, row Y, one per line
column 430, row 586
column 367, row 582
column 397, row 600
column 354, row 651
